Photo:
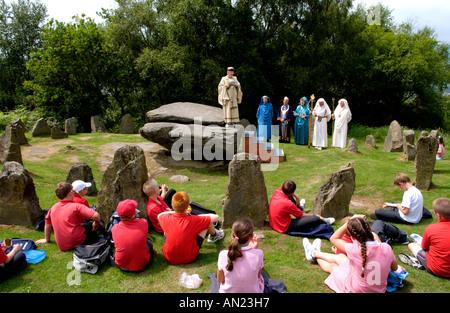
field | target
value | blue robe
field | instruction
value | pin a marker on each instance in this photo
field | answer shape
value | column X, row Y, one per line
column 301, row 126
column 285, row 128
column 264, row 116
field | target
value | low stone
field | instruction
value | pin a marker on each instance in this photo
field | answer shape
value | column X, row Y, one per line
column 352, row 145
column 246, row 193
column 179, row 179
column 127, row 124
column 409, row 149
column 41, row 128
column 394, row 140
column 334, row 196
column 370, row 142
column 20, row 127
column 97, row 125
column 82, row 171
column 71, row 126
column 57, row 133
column 9, row 145
column 19, row 203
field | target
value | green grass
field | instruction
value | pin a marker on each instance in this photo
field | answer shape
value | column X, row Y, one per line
column 284, row 256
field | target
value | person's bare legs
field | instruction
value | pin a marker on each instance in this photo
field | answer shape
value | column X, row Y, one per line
column 329, row 261
column 414, row 248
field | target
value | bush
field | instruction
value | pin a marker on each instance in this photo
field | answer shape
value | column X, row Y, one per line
column 27, row 116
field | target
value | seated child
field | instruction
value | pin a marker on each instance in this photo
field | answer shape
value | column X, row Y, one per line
column 239, row 267
column 434, row 251
column 156, row 203
column 184, row 233
column 281, row 208
column 12, row 262
column 80, row 189
column 410, row 211
column 133, row 249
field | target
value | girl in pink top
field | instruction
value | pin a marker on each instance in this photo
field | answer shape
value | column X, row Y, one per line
column 368, row 261
column 239, row 267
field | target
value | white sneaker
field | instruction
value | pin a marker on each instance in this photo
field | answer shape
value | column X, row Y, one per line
column 329, row 220
column 219, row 235
column 302, row 203
column 317, row 245
column 308, row 249
column 416, row 238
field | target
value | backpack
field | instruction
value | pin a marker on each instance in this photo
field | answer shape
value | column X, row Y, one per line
column 88, row 258
column 115, row 219
column 25, row 244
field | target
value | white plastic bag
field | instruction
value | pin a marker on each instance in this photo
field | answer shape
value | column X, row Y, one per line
column 190, row 281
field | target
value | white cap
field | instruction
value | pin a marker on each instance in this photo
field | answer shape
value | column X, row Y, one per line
column 79, row 185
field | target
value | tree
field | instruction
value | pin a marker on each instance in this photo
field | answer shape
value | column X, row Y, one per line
column 20, row 25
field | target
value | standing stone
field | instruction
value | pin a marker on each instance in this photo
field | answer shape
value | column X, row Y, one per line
column 427, row 146
column 19, row 204
column 394, row 141
column 20, row 127
column 123, row 179
column 334, row 196
column 71, row 126
column 409, row 149
column 127, row 124
column 370, row 142
column 97, row 125
column 57, row 133
column 352, row 145
column 246, row 194
column 82, row 171
column 9, row 146
column 41, row 128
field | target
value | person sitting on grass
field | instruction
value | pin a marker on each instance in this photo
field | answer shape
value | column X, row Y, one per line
column 157, row 201
column 80, row 188
column 365, row 263
column 133, row 249
column 409, row 211
column 12, row 262
column 184, row 233
column 433, row 252
column 281, row 208
column 67, row 219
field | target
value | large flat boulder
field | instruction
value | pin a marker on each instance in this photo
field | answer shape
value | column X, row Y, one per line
column 186, row 113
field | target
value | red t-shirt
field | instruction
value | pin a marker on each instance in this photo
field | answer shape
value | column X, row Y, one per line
column 66, row 218
column 153, row 209
column 3, row 256
column 78, row 199
column 130, row 240
column 280, row 210
column 180, row 230
column 436, row 243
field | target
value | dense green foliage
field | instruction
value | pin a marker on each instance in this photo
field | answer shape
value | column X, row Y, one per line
column 151, row 52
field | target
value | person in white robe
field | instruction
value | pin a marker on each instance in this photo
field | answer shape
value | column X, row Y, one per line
column 230, row 95
column 342, row 116
column 321, row 115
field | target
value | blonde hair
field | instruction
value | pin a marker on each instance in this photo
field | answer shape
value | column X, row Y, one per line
column 401, row 178
column 149, row 186
column 442, row 206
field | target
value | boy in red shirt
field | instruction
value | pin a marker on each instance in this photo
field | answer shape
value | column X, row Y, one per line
column 80, row 189
column 156, row 202
column 67, row 219
column 434, row 251
column 184, row 233
column 281, row 208
column 133, row 249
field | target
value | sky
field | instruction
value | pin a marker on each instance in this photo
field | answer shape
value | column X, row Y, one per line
column 432, row 13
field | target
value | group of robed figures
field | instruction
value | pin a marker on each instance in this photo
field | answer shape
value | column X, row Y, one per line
column 301, row 120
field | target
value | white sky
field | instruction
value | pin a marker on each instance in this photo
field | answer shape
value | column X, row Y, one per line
column 432, row 13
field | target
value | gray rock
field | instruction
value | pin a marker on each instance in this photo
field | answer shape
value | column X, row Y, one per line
column 427, row 146
column 179, row 179
column 57, row 133
column 127, row 124
column 19, row 204
column 409, row 149
column 9, row 145
column 394, row 140
column 97, row 125
column 370, row 142
column 123, row 179
column 246, row 194
column 352, row 145
column 20, row 127
column 71, row 126
column 334, row 196
column 41, row 128
column 82, row 171
column 186, row 112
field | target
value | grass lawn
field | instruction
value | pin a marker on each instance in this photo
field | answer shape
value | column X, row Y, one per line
column 284, row 255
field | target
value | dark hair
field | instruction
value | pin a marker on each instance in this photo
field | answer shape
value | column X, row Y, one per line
column 242, row 231
column 401, row 178
column 288, row 187
column 62, row 190
column 361, row 231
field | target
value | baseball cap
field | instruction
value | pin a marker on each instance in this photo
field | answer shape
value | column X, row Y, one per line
column 127, row 208
column 79, row 185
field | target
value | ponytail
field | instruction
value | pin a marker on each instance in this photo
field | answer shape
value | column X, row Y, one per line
column 242, row 231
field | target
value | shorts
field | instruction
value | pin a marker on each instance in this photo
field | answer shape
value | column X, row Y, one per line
column 421, row 257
